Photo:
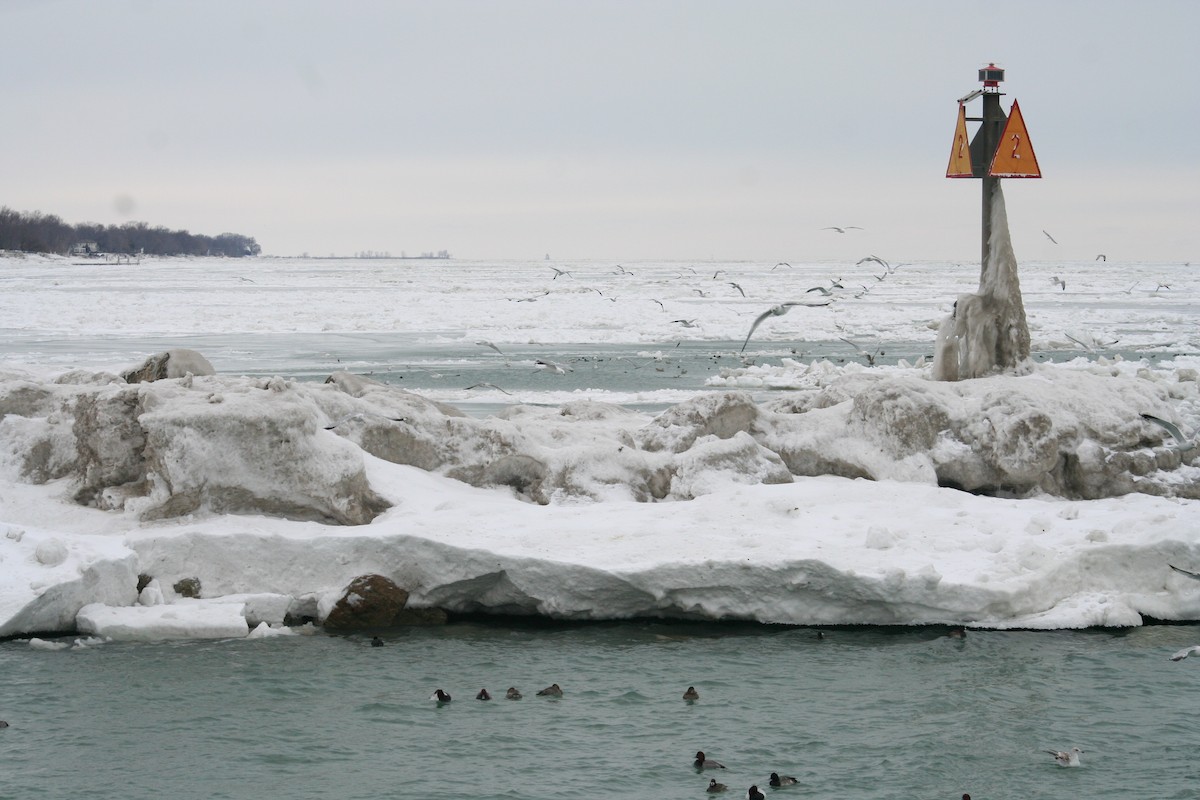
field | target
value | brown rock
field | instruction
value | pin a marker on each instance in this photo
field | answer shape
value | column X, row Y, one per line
column 370, row 601
column 187, row 587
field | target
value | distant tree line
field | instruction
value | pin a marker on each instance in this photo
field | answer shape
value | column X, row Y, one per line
column 36, row 232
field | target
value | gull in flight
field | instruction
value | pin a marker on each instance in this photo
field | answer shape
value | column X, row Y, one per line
column 1195, row 575
column 739, row 288
column 877, row 260
column 1051, row 238
column 775, row 311
column 1182, row 443
column 1185, row 652
column 687, row 323
column 1102, row 257
column 486, row 343
column 553, row 366
column 1066, row 758
column 1057, row 281
column 558, row 272
column 362, row 417
column 842, row 229
column 870, row 357
column 781, row 264
column 1091, row 348
column 486, row 386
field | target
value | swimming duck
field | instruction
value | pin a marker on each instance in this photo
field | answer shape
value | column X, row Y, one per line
column 483, row 695
column 713, row 786
column 551, row 691
column 755, row 794
column 512, row 694
column 781, row 780
column 376, row 642
column 440, row 696
column 691, row 694
column 702, row 763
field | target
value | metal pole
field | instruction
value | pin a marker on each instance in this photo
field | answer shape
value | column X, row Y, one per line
column 989, row 138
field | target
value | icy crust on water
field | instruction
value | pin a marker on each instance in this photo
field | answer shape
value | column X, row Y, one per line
column 826, row 506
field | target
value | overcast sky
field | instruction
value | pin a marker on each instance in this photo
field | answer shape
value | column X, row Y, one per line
column 609, row 130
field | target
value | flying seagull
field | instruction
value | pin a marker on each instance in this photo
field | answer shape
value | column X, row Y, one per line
column 1057, row 281
column 870, row 357
column 1066, row 758
column 1102, row 257
column 775, row 311
column 362, row 417
column 558, row 272
column 486, row 343
column 485, row 386
column 781, row 264
column 876, row 259
column 1051, row 238
column 553, row 366
column 739, row 288
column 1185, row 652
column 1094, row 343
column 687, row 323
column 1195, row 575
column 842, row 229
column 1182, row 443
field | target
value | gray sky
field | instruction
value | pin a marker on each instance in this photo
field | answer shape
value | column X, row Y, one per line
column 609, row 130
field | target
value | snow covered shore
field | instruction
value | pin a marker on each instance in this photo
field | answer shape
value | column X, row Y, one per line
column 829, row 506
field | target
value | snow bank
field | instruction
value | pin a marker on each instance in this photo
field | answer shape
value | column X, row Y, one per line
column 828, row 506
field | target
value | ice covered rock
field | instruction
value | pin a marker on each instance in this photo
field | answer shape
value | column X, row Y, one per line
column 175, row 363
column 48, row 578
column 720, row 414
column 1070, row 433
column 51, row 552
column 163, row 449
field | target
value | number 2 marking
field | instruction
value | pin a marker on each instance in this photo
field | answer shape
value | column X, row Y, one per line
column 1016, row 138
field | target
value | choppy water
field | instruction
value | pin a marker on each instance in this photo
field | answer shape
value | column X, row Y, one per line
column 862, row 713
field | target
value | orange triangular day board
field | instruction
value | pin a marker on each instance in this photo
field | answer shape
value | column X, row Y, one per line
column 1014, row 156
column 960, row 153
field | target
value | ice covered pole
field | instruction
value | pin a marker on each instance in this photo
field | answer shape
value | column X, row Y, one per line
column 987, row 331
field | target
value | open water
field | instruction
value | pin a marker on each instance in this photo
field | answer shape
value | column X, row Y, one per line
column 863, row 713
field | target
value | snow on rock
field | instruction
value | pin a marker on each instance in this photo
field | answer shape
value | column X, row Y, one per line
column 48, row 577
column 826, row 506
column 1072, row 433
column 176, row 363
column 173, row 447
